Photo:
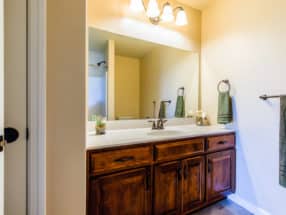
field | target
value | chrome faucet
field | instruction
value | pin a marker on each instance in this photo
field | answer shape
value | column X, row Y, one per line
column 158, row 124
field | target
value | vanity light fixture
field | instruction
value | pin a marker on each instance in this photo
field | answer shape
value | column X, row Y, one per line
column 155, row 15
column 181, row 18
column 167, row 15
column 136, row 6
column 153, row 9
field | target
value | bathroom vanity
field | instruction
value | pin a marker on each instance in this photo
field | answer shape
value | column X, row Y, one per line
column 175, row 171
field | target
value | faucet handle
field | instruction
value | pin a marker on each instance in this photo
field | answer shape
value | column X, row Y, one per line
column 153, row 123
column 161, row 123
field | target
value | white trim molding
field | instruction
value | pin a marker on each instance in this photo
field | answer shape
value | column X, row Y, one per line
column 36, row 204
column 247, row 205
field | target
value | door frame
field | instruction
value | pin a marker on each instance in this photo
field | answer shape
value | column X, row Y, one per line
column 36, row 88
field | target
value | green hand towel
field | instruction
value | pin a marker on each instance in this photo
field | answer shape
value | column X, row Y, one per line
column 180, row 107
column 282, row 150
column 162, row 111
column 224, row 108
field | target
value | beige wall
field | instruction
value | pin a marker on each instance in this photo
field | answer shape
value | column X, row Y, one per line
column 15, row 105
column 163, row 71
column 127, row 87
column 115, row 16
column 2, row 104
column 244, row 41
column 66, row 108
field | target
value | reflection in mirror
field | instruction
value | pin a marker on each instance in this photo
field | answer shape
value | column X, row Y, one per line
column 134, row 79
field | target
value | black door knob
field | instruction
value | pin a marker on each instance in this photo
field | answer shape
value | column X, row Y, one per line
column 11, row 135
column 1, row 143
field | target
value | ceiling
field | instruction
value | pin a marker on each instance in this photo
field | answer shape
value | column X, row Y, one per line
column 124, row 46
column 197, row 4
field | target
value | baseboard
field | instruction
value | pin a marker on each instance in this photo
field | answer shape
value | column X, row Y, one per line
column 247, row 205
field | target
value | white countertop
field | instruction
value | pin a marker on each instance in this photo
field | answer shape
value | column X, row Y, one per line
column 114, row 138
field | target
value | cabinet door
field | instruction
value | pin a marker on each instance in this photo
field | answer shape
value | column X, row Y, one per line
column 167, row 186
column 220, row 173
column 125, row 193
column 193, row 189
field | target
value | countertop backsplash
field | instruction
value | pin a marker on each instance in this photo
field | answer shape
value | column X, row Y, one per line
column 141, row 123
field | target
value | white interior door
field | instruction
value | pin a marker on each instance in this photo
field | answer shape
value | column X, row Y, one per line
column 15, row 72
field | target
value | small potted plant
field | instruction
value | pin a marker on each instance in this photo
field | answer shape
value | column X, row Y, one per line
column 100, row 125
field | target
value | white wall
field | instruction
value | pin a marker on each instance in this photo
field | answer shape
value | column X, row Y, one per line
column 163, row 71
column 244, row 41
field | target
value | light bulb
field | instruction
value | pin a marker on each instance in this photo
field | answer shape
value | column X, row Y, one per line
column 167, row 15
column 181, row 18
column 153, row 9
column 136, row 5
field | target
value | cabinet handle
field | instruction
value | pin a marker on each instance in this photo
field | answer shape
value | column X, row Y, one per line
column 124, row 159
column 186, row 173
column 222, row 142
column 210, row 167
column 180, row 173
column 207, row 144
column 148, row 181
column 155, row 153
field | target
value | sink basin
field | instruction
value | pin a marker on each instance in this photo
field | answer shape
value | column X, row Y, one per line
column 164, row 132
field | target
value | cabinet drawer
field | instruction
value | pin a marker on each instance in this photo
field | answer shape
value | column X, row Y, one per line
column 220, row 142
column 168, row 151
column 120, row 158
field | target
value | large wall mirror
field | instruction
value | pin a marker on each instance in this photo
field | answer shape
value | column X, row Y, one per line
column 131, row 79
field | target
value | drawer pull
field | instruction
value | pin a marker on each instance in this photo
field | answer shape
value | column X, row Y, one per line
column 124, row 159
column 222, row 142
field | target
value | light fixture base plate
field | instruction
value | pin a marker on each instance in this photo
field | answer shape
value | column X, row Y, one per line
column 155, row 20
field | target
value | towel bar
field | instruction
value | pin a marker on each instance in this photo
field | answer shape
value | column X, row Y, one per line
column 265, row 97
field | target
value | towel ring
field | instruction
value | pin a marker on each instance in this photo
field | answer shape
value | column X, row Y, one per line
column 223, row 82
column 181, row 89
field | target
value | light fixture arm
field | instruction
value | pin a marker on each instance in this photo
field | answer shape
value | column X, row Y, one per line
column 178, row 8
column 157, row 19
column 154, row 20
column 143, row 3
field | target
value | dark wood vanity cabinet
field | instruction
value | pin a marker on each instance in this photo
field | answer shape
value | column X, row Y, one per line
column 125, row 193
column 179, row 186
column 193, row 184
column 167, row 188
column 220, row 173
column 175, row 177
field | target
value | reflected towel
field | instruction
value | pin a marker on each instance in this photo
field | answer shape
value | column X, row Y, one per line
column 224, row 108
column 180, row 107
column 282, row 175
